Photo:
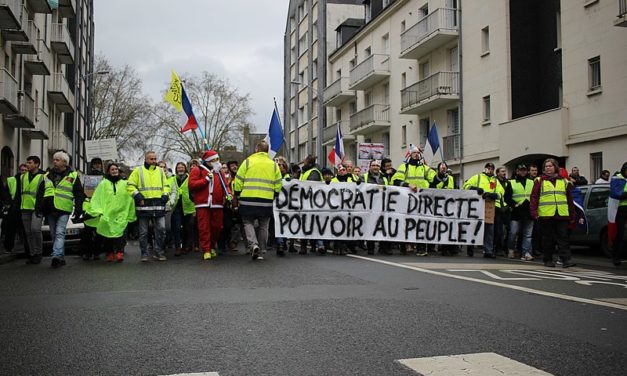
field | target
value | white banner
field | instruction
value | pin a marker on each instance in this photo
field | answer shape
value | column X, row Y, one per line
column 346, row 211
column 105, row 149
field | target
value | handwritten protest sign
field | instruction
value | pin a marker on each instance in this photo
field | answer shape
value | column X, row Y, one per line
column 348, row 211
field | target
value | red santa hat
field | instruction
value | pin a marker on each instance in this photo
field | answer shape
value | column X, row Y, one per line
column 210, row 155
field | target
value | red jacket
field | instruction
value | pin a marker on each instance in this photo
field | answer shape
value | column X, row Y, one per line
column 207, row 192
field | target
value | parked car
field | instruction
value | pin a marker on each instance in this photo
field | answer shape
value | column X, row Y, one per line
column 595, row 197
column 73, row 234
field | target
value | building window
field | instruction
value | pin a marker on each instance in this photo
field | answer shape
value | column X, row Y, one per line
column 367, row 12
column 424, row 70
column 338, row 114
column 486, row 109
column 292, row 24
column 596, row 165
column 403, row 26
column 453, row 121
column 367, row 52
column 424, row 11
column 403, row 80
column 338, row 74
column 301, row 12
column 485, row 40
column 314, row 70
column 403, row 135
column 424, row 131
column 594, row 73
column 385, row 44
column 302, row 44
column 386, row 93
column 386, row 143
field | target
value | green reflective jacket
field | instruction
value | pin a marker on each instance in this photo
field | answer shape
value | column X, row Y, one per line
column 114, row 207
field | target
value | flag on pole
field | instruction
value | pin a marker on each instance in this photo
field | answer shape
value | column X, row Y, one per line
column 275, row 134
column 336, row 156
column 617, row 188
column 187, row 107
column 432, row 146
column 174, row 93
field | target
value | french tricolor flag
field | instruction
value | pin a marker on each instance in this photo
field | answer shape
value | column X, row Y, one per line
column 336, row 156
column 617, row 188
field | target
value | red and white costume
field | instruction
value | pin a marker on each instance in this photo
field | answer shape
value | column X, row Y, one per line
column 209, row 197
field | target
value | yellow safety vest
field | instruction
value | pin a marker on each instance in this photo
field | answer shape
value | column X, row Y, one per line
column 305, row 176
column 420, row 175
column 12, row 185
column 151, row 183
column 553, row 199
column 29, row 191
column 258, row 177
column 183, row 193
column 63, row 193
column 385, row 180
column 450, row 184
column 521, row 194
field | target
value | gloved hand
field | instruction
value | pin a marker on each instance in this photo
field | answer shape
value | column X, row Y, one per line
column 480, row 191
column 138, row 198
column 165, row 198
column 229, row 198
column 490, row 196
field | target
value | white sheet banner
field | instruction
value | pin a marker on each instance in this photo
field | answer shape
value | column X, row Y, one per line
column 346, row 211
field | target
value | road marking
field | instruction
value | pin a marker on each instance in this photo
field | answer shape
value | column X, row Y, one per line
column 494, row 276
column 195, row 374
column 484, row 364
column 498, row 284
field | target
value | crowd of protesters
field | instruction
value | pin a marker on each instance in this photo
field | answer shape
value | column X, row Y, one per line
column 206, row 206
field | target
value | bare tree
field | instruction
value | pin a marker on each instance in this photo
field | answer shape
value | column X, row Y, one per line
column 219, row 108
column 120, row 109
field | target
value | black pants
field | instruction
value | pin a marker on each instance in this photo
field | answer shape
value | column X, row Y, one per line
column 12, row 226
column 113, row 244
column 554, row 232
column 621, row 218
column 91, row 243
column 227, row 227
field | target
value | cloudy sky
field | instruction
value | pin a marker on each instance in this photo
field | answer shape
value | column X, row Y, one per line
column 241, row 40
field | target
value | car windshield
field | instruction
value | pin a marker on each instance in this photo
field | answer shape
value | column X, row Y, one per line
column 598, row 198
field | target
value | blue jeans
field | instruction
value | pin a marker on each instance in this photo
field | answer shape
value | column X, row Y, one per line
column 57, row 224
column 525, row 227
column 488, row 239
column 159, row 228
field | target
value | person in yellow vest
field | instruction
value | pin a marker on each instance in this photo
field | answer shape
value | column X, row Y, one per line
column 551, row 203
column 257, row 182
column 149, row 187
column 414, row 174
column 11, row 210
column 61, row 194
column 486, row 186
column 375, row 176
column 182, row 212
column 90, row 244
column 237, row 227
column 502, row 213
column 517, row 196
column 618, row 191
column 169, row 240
column 444, row 179
column 311, row 172
column 113, row 209
column 25, row 200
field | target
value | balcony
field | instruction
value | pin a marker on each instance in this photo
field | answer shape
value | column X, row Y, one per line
column 25, row 118
column 328, row 133
column 40, row 132
column 62, row 44
column 29, row 46
column 621, row 19
column 452, row 147
column 59, row 141
column 67, row 8
column 40, row 6
column 8, row 93
column 370, row 72
column 437, row 90
column 371, row 119
column 10, row 11
column 60, row 94
column 17, row 33
column 40, row 63
column 338, row 93
column 433, row 31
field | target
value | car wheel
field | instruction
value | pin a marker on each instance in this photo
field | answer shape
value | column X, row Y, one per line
column 607, row 251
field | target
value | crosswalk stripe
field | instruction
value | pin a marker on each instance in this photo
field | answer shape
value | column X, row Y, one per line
column 484, row 364
column 492, row 283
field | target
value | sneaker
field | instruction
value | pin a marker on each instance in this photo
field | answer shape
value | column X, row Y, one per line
column 511, row 254
column 161, row 258
column 559, row 262
column 57, row 262
column 144, row 259
column 119, row 256
column 527, row 257
column 206, row 256
column 422, row 253
column 110, row 256
column 255, row 252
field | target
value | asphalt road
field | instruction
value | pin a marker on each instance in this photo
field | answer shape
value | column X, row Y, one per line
column 305, row 315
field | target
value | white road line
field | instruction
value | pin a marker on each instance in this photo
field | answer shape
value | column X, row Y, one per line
column 492, row 283
column 484, row 364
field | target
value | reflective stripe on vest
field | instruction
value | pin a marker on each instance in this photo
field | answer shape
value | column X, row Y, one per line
column 553, row 199
column 450, row 184
column 258, row 180
column 521, row 194
column 142, row 184
column 29, row 191
column 63, row 193
column 383, row 178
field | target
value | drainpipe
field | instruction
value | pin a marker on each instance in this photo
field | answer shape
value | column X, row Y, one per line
column 461, row 93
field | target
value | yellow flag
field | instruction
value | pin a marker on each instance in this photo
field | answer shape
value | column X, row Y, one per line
column 174, row 94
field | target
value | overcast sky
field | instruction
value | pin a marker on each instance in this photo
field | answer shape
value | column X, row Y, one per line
column 241, row 40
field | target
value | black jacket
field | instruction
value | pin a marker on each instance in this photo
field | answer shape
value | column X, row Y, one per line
column 521, row 212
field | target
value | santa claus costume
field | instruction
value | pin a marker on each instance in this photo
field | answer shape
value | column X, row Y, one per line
column 209, row 197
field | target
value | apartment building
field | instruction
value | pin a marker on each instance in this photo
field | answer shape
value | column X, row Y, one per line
column 47, row 49
column 503, row 81
column 309, row 37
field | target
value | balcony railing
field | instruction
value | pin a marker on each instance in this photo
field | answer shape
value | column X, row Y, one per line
column 8, row 92
column 60, row 93
column 452, row 147
column 441, row 19
column 40, row 132
column 372, row 65
column 39, row 64
column 62, row 43
column 371, row 114
column 338, row 93
column 441, row 83
column 29, row 46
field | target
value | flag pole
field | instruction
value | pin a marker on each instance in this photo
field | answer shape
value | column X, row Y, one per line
column 278, row 114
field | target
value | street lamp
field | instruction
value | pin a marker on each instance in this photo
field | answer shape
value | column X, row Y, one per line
column 318, row 145
column 78, row 99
